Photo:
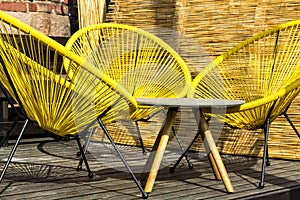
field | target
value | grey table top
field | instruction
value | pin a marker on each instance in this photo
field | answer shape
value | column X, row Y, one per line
column 189, row 102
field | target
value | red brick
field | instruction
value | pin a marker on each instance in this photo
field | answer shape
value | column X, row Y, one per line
column 32, row 7
column 13, row 6
column 44, row 7
column 58, row 9
column 61, row 10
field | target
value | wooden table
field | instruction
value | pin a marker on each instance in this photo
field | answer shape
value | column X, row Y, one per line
column 198, row 105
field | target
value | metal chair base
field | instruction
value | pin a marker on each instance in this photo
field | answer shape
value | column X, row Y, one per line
column 90, row 174
column 144, row 194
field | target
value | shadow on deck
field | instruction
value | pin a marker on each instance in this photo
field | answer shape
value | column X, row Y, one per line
column 46, row 169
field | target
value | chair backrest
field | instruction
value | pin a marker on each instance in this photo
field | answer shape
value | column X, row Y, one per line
column 263, row 71
column 32, row 72
column 138, row 60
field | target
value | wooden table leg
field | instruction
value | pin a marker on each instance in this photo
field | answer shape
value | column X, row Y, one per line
column 211, row 148
column 210, row 156
column 157, row 153
column 218, row 160
column 214, row 167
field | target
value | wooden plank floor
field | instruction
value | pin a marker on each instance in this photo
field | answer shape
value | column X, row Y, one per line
column 47, row 170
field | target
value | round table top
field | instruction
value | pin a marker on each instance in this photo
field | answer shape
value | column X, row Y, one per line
column 189, row 102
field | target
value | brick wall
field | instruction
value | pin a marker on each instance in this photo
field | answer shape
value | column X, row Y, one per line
column 48, row 16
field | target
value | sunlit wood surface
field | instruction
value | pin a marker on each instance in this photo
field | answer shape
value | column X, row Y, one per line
column 46, row 169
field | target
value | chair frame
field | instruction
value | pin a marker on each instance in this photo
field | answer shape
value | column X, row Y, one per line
column 76, row 37
column 6, row 18
column 272, row 98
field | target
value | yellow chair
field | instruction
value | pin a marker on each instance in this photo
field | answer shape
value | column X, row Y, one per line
column 32, row 72
column 139, row 61
column 264, row 71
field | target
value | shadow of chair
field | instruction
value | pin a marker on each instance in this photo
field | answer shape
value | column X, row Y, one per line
column 32, row 73
column 264, row 71
column 139, row 61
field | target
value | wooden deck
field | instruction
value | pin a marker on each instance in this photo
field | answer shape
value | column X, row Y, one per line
column 46, row 169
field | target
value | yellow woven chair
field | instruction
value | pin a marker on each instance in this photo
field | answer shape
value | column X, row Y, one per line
column 32, row 72
column 264, row 71
column 138, row 60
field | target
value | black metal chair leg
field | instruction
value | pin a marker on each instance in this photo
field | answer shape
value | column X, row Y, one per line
column 86, row 145
column 144, row 194
column 140, row 137
column 13, row 150
column 182, row 149
column 291, row 123
column 268, row 162
column 266, row 134
column 172, row 169
column 90, row 174
column 89, row 137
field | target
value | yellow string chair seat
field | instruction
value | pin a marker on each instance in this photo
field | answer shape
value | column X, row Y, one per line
column 32, row 72
column 264, row 71
column 138, row 60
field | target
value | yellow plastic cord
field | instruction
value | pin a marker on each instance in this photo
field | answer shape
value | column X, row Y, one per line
column 34, row 63
column 136, row 59
column 263, row 71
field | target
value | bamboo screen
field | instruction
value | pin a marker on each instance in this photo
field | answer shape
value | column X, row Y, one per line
column 200, row 30
column 90, row 12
